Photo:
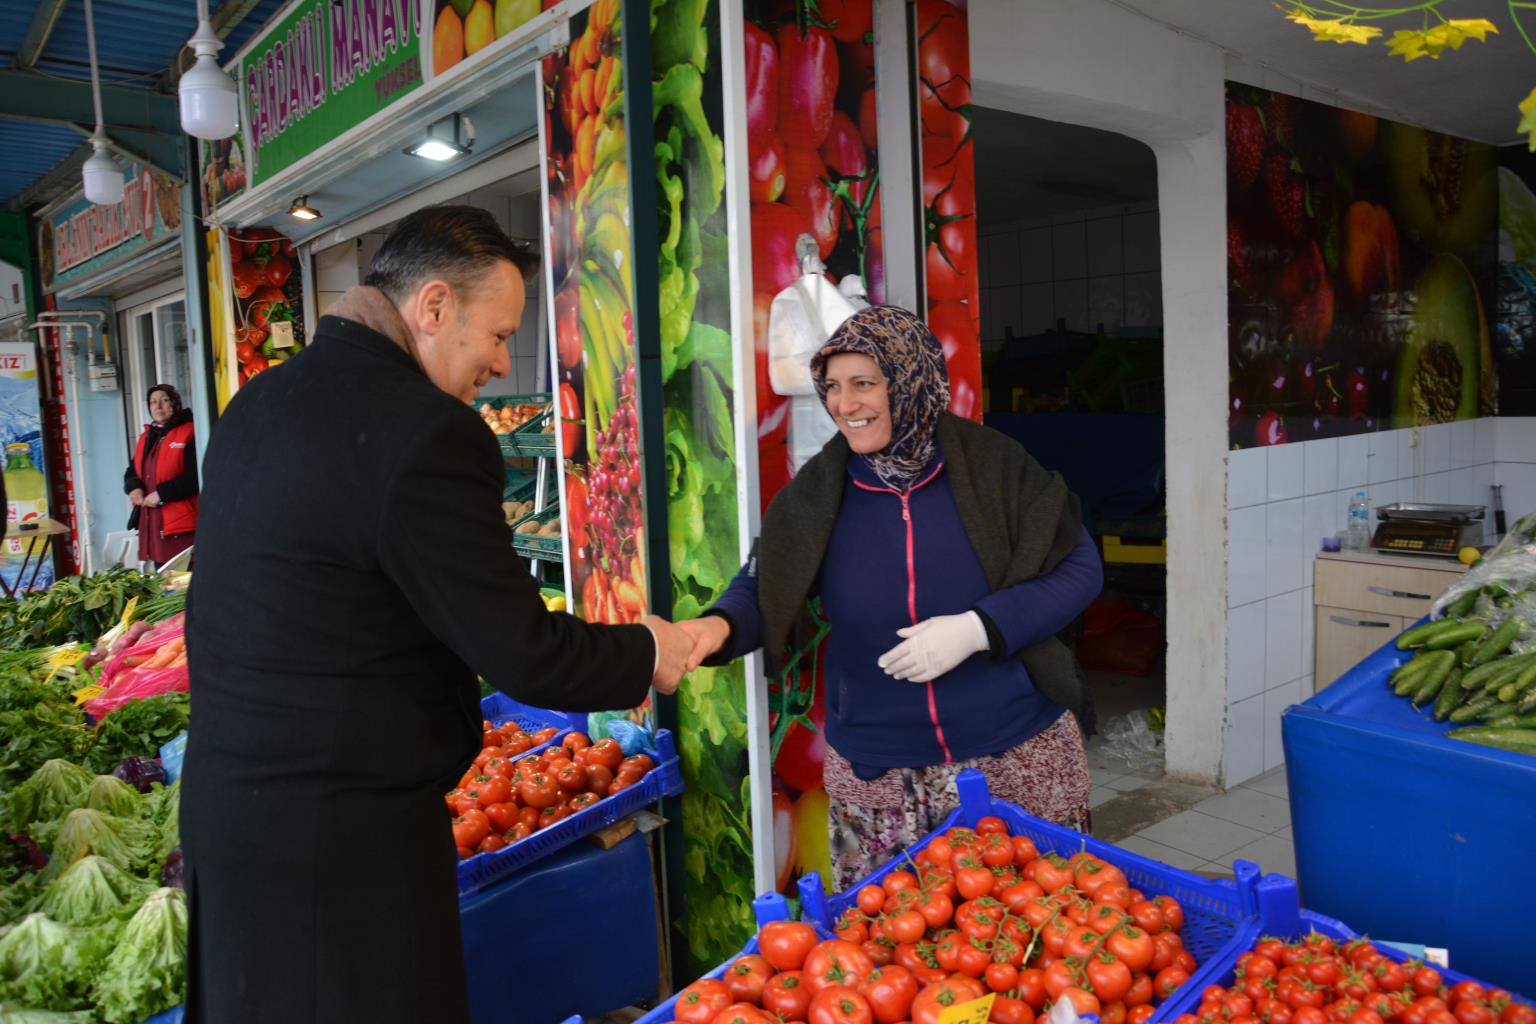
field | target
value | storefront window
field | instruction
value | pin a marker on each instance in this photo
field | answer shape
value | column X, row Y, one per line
column 158, row 352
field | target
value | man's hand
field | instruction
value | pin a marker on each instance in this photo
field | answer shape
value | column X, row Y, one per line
column 710, row 633
column 136, row 497
column 934, row 647
column 673, row 647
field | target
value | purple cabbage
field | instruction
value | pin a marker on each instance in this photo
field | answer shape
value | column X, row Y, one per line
column 140, row 772
column 172, row 874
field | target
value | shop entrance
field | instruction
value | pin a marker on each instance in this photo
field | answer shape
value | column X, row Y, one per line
column 155, row 342
column 1072, row 343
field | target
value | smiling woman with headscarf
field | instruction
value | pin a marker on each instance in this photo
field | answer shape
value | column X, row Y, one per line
column 161, row 481
column 946, row 560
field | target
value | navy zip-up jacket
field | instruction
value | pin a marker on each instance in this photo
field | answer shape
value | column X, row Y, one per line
column 894, row 560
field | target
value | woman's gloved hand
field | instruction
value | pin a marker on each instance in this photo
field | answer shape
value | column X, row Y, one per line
column 935, row 646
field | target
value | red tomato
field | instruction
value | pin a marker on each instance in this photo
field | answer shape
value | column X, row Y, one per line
column 786, row 944
column 935, row 999
column 491, row 843
column 1083, row 1002
column 1001, row 977
column 847, row 20
column 944, row 65
column 1007, row 1010
column 247, row 278
column 572, row 421
column 844, row 152
column 278, row 270
column 868, row 122
column 741, row 1013
column 836, row 962
column 839, row 1004
column 1109, row 978
column 762, row 74
column 1141, row 991
column 1051, row 873
column 785, row 838
column 244, row 352
column 568, row 326
column 502, row 816
column 936, row 908
column 1140, row 1014
column 787, row 996
column 806, row 192
column 774, row 229
column 767, row 166
column 469, row 828
column 807, row 83
column 746, row 978
column 1173, row 914
column 606, row 752
column 538, row 791
column 1168, row 979
column 890, row 992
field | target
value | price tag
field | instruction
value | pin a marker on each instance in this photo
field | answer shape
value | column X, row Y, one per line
column 86, row 693
column 974, row 1012
column 282, row 334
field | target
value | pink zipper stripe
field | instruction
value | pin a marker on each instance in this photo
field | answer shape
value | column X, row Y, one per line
column 906, row 515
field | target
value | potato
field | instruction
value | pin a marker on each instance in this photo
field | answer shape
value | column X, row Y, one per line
column 528, row 527
column 550, row 529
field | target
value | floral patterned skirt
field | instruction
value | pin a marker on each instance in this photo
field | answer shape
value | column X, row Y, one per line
column 872, row 821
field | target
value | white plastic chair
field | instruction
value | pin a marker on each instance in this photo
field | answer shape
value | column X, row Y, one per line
column 178, row 563
column 119, row 545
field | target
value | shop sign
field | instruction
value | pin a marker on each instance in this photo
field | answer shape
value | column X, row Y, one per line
column 324, row 68
column 80, row 238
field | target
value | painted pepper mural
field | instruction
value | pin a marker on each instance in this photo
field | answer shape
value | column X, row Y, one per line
column 1361, row 262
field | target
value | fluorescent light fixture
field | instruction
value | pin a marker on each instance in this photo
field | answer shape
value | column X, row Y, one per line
column 447, row 139
column 209, row 101
column 302, row 210
column 103, row 178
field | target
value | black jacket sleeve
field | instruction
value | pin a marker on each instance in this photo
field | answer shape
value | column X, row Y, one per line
column 443, row 541
column 131, row 481
column 185, row 485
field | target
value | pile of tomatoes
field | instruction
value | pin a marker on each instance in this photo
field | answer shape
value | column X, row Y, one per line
column 979, row 911
column 506, row 796
column 1317, row 981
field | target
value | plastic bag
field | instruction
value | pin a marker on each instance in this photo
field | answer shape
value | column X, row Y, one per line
column 136, row 684
column 1501, row 586
column 1131, row 738
column 146, row 648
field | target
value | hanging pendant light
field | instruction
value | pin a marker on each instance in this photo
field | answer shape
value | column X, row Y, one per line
column 209, row 100
column 103, row 178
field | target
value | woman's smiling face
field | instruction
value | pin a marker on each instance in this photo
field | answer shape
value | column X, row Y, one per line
column 858, row 400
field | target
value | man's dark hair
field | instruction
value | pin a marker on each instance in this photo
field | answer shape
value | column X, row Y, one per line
column 458, row 244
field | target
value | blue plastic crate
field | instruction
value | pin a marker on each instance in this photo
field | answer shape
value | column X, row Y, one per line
column 665, row 779
column 172, row 1016
column 500, row 709
column 770, row 906
column 1219, row 915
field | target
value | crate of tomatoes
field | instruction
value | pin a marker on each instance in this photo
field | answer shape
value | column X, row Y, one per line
column 508, row 811
column 1305, row 968
column 1037, row 913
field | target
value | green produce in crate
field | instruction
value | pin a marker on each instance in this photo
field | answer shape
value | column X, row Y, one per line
column 1434, row 682
column 1496, row 644
column 1460, row 633
column 1470, row 711
column 1419, row 636
column 1449, row 697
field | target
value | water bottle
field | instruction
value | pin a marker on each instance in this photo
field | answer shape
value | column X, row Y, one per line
column 1358, row 537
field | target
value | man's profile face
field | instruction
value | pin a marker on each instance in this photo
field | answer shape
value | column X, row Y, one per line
column 467, row 345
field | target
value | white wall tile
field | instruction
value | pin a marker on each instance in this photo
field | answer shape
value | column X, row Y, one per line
column 1069, row 250
column 1247, row 476
column 1482, row 487
column 1308, row 633
column 1487, row 439
column 1382, row 462
column 1436, row 441
column 1104, row 250
column 1322, row 465
column 1434, row 488
column 1285, row 472
column 1354, row 460
column 1071, row 303
column 1463, row 482
column 1246, row 631
column 1243, row 756
column 1463, row 444
column 1519, row 481
column 1385, row 494
column 1410, row 452
column 1003, row 259
column 1515, row 439
column 1275, row 703
column 1322, row 515
column 1035, row 261
column 1144, row 299
column 1037, row 306
column 1140, row 238
column 1246, row 555
column 1283, row 554
column 1282, row 639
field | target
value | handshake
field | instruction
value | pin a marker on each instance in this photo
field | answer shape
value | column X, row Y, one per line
column 682, row 647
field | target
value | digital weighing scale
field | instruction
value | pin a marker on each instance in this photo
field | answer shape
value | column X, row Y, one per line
column 1407, row 528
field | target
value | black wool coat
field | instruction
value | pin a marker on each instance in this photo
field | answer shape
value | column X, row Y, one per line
column 354, row 574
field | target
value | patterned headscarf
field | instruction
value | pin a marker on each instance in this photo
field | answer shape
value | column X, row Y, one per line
column 913, row 363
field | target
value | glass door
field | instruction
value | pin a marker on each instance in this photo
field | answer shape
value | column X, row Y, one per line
column 156, row 344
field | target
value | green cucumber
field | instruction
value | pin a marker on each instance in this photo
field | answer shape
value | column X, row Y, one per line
column 1521, row 741
column 1470, row 710
column 1418, row 636
column 1462, row 605
column 1450, row 697
column 1496, row 644
column 1464, row 632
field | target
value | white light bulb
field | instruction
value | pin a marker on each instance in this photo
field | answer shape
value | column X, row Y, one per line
column 209, row 100
column 103, row 178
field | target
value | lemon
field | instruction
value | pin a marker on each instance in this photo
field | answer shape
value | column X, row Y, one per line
column 1469, row 555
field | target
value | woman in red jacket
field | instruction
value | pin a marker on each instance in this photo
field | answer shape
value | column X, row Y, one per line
column 162, row 479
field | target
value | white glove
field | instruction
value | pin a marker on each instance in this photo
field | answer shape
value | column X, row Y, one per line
column 935, row 646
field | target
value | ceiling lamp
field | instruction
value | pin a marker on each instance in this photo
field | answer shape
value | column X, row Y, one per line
column 210, row 103
column 449, row 138
column 103, row 178
column 302, row 210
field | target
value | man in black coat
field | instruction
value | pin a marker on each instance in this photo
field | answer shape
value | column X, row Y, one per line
column 354, row 575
